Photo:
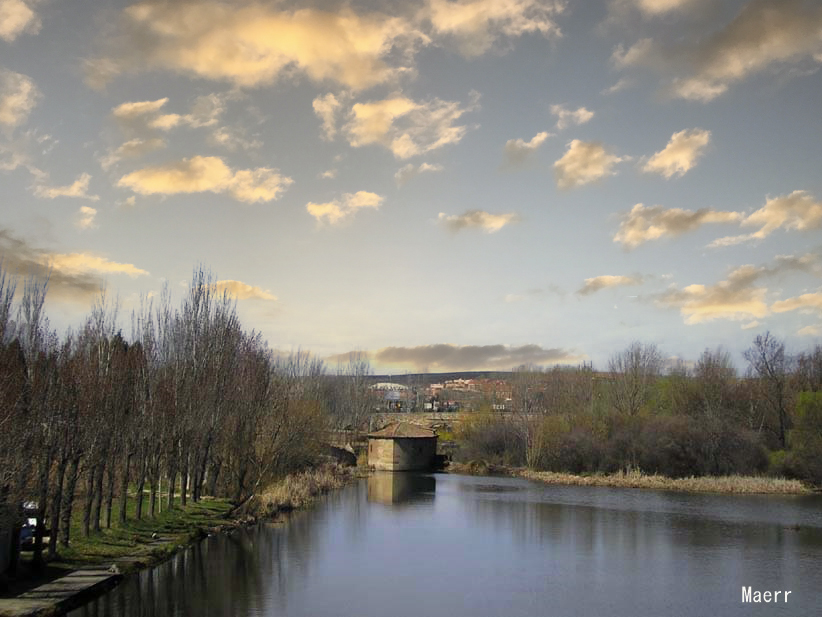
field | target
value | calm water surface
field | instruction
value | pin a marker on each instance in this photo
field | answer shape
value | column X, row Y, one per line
column 428, row 545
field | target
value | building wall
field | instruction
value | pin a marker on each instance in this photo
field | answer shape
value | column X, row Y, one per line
column 402, row 454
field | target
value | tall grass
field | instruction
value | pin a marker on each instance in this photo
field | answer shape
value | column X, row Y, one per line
column 300, row 489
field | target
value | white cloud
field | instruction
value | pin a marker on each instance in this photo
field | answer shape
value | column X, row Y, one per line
column 207, row 173
column 681, row 153
column 750, row 325
column 643, row 223
column 570, row 117
column 517, row 151
column 329, row 174
column 86, row 216
column 16, row 17
column 243, row 291
column 18, row 96
column 404, row 174
column 336, row 211
column 477, row 219
column 79, row 188
column 810, row 331
column 477, row 24
column 254, row 44
column 798, row 211
column 406, row 127
column 78, row 263
column 595, row 284
column 583, row 163
column 639, row 53
column 133, row 148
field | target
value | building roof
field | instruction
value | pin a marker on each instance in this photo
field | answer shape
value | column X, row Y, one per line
column 402, row 430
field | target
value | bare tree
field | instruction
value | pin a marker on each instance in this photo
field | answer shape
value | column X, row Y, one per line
column 770, row 365
column 633, row 373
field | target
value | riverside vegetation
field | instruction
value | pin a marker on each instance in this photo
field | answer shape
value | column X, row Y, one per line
column 112, row 436
column 688, row 428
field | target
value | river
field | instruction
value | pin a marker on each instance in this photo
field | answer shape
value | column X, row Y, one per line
column 409, row 545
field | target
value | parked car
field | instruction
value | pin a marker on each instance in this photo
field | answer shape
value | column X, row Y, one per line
column 29, row 524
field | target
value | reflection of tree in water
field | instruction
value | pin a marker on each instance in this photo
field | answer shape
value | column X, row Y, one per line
column 232, row 574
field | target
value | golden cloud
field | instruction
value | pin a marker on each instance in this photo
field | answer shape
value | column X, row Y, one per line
column 643, row 223
column 404, row 174
column 477, row 219
column 799, row 211
column 86, row 216
column 18, row 96
column 243, row 291
column 407, row 127
column 207, row 174
column 805, row 302
column 477, row 24
column 253, row 44
column 79, row 188
column 681, row 153
column 17, row 17
column 337, row 210
column 517, row 151
column 583, row 163
column 595, row 284
column 569, row 117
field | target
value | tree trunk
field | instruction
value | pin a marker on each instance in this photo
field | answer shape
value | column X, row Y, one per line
column 141, row 485
column 42, row 498
column 109, row 494
column 98, row 496
column 172, row 479
column 56, row 504
column 68, row 501
column 124, row 489
column 212, row 479
column 92, row 471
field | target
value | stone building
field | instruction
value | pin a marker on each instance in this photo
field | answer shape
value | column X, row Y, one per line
column 402, row 446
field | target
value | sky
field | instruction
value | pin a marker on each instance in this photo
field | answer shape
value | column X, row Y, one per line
column 442, row 185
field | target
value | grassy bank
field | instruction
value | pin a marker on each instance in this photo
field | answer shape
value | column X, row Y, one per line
column 749, row 485
column 151, row 540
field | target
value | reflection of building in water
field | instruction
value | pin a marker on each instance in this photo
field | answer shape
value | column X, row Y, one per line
column 393, row 488
column 402, row 447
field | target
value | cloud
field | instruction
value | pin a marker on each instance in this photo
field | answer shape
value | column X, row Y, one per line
column 407, row 127
column 339, row 209
column 810, row 331
column 207, row 174
column 254, row 44
column 79, row 188
column 86, row 216
column 445, row 357
column 17, row 17
column 133, row 148
column 621, row 84
column 569, row 117
column 404, row 174
column 805, row 302
column 595, row 284
column 517, row 151
column 739, row 297
column 243, row 291
column 583, row 163
column 643, row 224
column 681, row 153
column 18, row 96
column 477, row 24
column 329, row 174
column 326, row 107
column 653, row 8
column 477, row 219
column 750, row 325
column 71, row 275
column 763, row 35
column 798, row 211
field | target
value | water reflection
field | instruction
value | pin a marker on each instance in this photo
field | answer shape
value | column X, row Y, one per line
column 494, row 546
column 391, row 488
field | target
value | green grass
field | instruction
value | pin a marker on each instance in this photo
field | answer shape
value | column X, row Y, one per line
column 174, row 527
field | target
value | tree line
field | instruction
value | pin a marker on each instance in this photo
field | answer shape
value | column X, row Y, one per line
column 680, row 420
column 189, row 404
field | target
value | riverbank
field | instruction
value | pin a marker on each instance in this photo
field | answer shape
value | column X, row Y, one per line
column 742, row 485
column 150, row 541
